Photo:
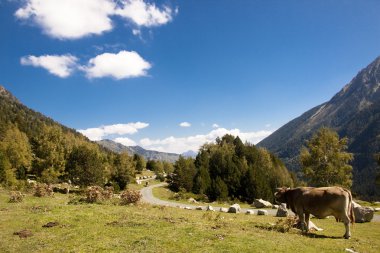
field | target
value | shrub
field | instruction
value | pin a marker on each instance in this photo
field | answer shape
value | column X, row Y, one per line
column 108, row 192
column 42, row 190
column 160, row 177
column 130, row 197
column 16, row 196
column 94, row 194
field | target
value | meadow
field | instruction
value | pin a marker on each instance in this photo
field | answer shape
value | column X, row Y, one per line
column 109, row 227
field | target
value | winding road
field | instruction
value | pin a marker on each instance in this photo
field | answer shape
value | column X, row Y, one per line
column 147, row 197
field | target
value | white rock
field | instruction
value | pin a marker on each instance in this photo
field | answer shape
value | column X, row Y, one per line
column 192, row 200
column 198, row 208
column 235, row 208
column 282, row 211
column 260, row 203
column 250, row 212
column 223, row 210
column 210, row 208
column 188, row 208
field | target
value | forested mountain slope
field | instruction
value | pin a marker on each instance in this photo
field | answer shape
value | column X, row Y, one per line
column 353, row 112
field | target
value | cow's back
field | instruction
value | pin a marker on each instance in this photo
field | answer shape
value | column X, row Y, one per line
column 325, row 201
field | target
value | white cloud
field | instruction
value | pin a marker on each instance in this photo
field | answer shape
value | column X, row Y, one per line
column 74, row 19
column 99, row 133
column 268, row 125
column 215, row 125
column 125, row 141
column 69, row 19
column 185, row 124
column 144, row 14
column 59, row 65
column 125, row 64
column 180, row 145
column 136, row 32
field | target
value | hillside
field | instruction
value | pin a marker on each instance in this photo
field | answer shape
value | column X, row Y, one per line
column 131, row 150
column 12, row 111
column 353, row 112
column 31, row 143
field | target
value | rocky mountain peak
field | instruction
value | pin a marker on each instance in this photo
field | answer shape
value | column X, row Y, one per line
column 4, row 93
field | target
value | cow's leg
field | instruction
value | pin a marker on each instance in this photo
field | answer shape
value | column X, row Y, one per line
column 346, row 222
column 307, row 219
column 302, row 220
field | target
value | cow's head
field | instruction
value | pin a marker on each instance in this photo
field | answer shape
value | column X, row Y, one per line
column 279, row 195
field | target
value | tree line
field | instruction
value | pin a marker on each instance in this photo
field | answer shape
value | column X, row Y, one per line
column 54, row 156
column 230, row 169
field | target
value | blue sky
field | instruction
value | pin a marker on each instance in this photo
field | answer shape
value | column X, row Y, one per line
column 133, row 71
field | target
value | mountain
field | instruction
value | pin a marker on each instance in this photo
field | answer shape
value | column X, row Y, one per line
column 13, row 112
column 189, row 153
column 147, row 154
column 353, row 112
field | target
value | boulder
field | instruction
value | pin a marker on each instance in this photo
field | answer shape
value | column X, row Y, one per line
column 210, row 208
column 223, row 210
column 188, row 208
column 262, row 212
column 235, row 208
column 198, row 208
column 362, row 214
column 313, row 227
column 282, row 211
column 377, row 209
column 192, row 200
column 250, row 212
column 260, row 203
column 275, row 206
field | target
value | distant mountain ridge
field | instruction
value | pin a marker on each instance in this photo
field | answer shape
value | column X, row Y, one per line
column 147, row 154
column 353, row 112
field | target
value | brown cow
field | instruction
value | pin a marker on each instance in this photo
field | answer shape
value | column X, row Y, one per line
column 320, row 202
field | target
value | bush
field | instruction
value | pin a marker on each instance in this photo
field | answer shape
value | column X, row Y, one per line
column 42, row 190
column 94, row 194
column 160, row 177
column 108, row 192
column 130, row 197
column 16, row 197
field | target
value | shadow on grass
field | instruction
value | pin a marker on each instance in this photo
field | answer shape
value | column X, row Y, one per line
column 287, row 226
column 312, row 235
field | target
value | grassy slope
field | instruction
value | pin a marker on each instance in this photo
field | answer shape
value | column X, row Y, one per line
column 111, row 228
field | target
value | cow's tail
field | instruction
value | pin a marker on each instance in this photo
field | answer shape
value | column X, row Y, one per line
column 350, row 210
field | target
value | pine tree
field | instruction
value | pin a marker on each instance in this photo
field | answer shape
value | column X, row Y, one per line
column 184, row 173
column 84, row 166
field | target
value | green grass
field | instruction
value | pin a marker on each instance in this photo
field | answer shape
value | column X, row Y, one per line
column 145, row 228
column 365, row 203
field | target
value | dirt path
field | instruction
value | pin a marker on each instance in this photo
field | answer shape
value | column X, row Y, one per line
column 147, row 197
